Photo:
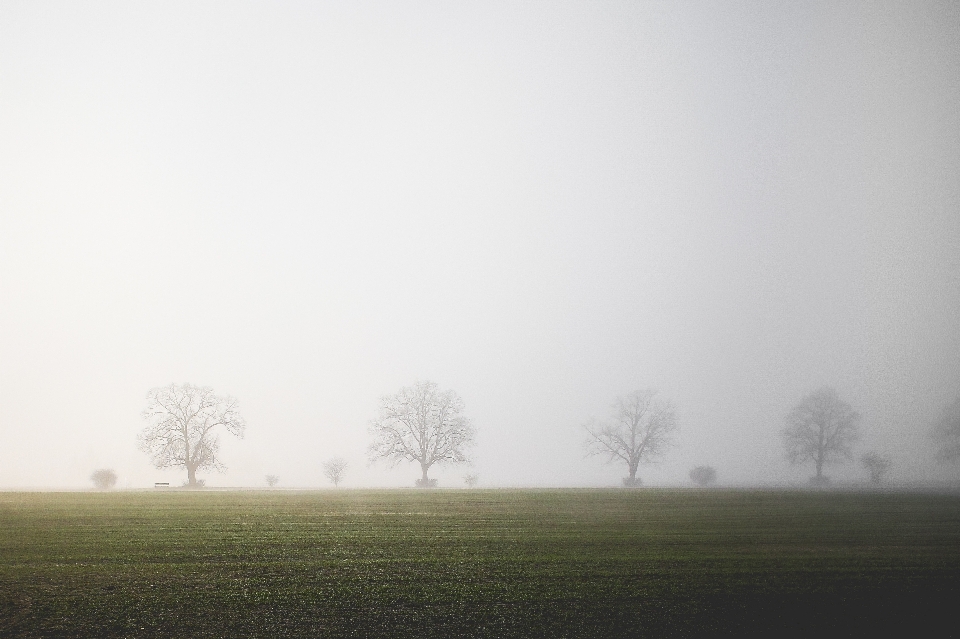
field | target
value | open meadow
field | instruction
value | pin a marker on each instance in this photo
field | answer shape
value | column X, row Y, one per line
column 465, row 563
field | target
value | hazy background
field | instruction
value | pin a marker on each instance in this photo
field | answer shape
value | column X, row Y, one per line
column 539, row 205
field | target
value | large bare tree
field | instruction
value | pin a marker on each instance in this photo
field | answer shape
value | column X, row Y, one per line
column 182, row 427
column 421, row 424
column 640, row 429
column 947, row 432
column 821, row 428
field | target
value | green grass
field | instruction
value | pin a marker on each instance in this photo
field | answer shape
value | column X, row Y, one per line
column 562, row 563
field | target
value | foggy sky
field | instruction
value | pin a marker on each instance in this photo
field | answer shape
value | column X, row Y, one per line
column 538, row 205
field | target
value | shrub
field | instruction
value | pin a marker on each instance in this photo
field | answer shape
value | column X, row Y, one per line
column 877, row 465
column 104, row 478
column 703, row 475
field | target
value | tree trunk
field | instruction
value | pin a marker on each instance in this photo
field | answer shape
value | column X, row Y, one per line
column 191, row 468
column 819, row 468
column 426, row 482
column 633, row 471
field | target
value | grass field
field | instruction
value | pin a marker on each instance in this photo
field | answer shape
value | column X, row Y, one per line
column 493, row 563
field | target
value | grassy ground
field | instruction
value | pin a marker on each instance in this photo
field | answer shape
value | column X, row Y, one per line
column 565, row 563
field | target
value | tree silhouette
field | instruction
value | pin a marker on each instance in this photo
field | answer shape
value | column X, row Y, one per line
column 182, row 424
column 821, row 429
column 422, row 424
column 640, row 429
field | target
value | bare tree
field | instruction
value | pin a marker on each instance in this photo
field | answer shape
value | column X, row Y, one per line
column 334, row 469
column 104, row 478
column 421, row 424
column 947, row 432
column 272, row 480
column 703, row 475
column 640, row 429
column 182, row 425
column 821, row 428
column 877, row 464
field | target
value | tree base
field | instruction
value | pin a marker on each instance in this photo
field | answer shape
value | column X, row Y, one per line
column 429, row 483
column 820, row 482
column 631, row 482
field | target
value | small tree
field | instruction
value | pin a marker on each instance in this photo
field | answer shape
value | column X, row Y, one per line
column 182, row 425
column 877, row 464
column 104, row 478
column 821, row 429
column 640, row 429
column 470, row 480
column 334, row 469
column 272, row 480
column 703, row 475
column 421, row 424
column 947, row 432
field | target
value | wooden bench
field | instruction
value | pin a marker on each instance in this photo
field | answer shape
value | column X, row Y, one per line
column 161, row 484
